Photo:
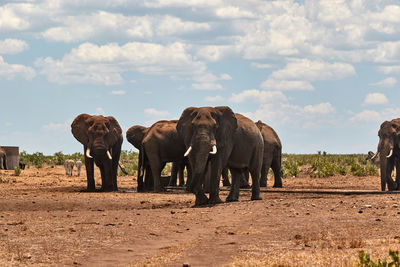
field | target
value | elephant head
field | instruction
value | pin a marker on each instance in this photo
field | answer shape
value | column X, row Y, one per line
column 97, row 133
column 388, row 149
column 207, row 133
column 135, row 135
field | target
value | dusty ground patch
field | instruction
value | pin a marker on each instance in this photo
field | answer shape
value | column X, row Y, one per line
column 45, row 219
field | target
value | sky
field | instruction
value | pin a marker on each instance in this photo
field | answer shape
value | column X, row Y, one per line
column 323, row 74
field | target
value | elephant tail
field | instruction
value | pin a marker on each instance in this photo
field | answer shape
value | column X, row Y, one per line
column 122, row 168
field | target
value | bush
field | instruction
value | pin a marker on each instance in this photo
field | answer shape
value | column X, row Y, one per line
column 358, row 170
column 365, row 260
column 17, row 170
column 291, row 169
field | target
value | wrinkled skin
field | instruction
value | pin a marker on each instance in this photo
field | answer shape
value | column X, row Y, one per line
column 160, row 145
column 3, row 159
column 135, row 136
column 238, row 144
column 99, row 135
column 389, row 152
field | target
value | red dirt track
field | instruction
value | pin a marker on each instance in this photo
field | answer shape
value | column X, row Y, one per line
column 46, row 220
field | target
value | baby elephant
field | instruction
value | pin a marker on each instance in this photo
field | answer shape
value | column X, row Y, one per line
column 69, row 166
column 78, row 166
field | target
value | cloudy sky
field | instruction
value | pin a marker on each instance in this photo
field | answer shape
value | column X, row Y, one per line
column 323, row 74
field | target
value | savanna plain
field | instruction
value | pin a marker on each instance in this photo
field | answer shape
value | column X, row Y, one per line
column 323, row 216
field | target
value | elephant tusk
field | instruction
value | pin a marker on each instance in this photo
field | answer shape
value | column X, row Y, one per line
column 188, row 151
column 109, row 155
column 375, row 155
column 390, row 154
column 214, row 150
column 88, row 153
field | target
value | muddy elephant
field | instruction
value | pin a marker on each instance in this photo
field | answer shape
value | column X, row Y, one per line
column 3, row 159
column 160, row 145
column 135, row 136
column 216, row 136
column 389, row 152
column 102, row 139
column 69, row 166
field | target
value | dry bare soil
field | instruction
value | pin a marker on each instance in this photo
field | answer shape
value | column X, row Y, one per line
column 46, row 220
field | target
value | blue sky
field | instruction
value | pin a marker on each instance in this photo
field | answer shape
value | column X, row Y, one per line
column 323, row 74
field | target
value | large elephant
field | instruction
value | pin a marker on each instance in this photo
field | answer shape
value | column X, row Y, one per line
column 3, row 159
column 160, row 145
column 389, row 152
column 102, row 139
column 216, row 136
column 272, row 155
column 135, row 136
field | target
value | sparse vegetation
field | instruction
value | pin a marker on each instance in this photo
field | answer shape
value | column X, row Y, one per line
column 17, row 170
column 365, row 260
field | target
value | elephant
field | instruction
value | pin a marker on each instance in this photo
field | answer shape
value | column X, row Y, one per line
column 389, row 152
column 69, row 166
column 160, row 145
column 78, row 165
column 102, row 140
column 135, row 136
column 3, row 159
column 217, row 137
column 374, row 159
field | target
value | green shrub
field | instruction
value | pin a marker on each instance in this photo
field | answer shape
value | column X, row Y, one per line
column 365, row 260
column 358, row 170
column 291, row 169
column 17, row 170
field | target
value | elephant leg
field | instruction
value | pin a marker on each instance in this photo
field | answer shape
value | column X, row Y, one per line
column 181, row 174
column 189, row 177
column 156, row 169
column 255, row 183
column 116, row 153
column 148, row 180
column 234, row 192
column 225, row 177
column 264, row 176
column 244, row 179
column 215, row 174
column 277, row 169
column 397, row 163
column 174, row 174
column 89, row 164
column 390, row 183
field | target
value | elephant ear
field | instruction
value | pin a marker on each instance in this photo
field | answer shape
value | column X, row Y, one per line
column 115, row 131
column 227, row 125
column 184, row 125
column 79, row 128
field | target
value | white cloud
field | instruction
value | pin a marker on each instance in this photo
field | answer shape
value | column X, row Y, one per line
column 233, row 12
column 372, row 116
column 388, row 82
column 258, row 96
column 11, row 71
column 100, row 111
column 12, row 46
column 154, row 113
column 261, row 66
column 322, row 108
column 104, row 64
column 306, row 69
column 9, row 20
column 225, row 77
column 118, row 92
column 272, row 84
column 390, row 69
column 375, row 99
column 175, row 26
column 215, row 52
column 216, row 98
column 58, row 127
column 182, row 3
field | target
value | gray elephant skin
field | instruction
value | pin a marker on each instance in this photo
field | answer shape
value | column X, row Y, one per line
column 216, row 136
column 135, row 136
column 101, row 138
column 160, row 145
column 3, row 159
column 389, row 153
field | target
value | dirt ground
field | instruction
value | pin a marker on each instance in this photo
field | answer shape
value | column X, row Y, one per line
column 46, row 220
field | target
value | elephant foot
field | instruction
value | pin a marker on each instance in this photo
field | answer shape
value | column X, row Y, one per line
column 263, row 184
column 232, row 198
column 172, row 184
column 245, row 186
column 215, row 200
column 226, row 183
column 89, row 190
column 256, row 197
column 201, row 199
column 159, row 190
column 277, row 186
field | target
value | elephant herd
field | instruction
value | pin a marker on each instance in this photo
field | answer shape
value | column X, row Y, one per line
column 207, row 141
